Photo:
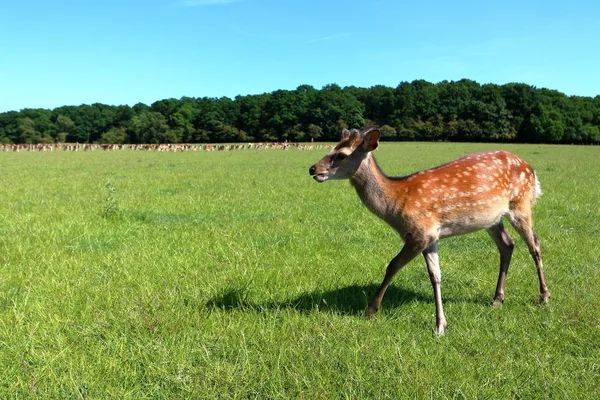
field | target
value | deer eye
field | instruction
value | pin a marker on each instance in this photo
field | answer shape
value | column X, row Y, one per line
column 341, row 156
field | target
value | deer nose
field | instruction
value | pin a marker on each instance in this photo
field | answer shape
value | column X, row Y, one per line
column 312, row 170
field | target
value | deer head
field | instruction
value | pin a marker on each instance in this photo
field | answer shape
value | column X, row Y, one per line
column 347, row 156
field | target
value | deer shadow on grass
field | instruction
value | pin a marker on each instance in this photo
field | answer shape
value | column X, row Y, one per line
column 349, row 300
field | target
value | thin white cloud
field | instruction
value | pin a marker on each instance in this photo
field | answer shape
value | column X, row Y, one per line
column 200, row 3
column 323, row 39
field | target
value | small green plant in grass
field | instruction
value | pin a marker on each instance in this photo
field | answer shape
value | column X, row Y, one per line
column 110, row 208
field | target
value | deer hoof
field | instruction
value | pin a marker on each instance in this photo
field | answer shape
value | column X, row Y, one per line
column 370, row 312
column 544, row 298
column 497, row 302
column 440, row 330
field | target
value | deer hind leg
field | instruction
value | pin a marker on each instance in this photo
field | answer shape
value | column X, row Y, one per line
column 407, row 253
column 435, row 276
column 521, row 220
column 505, row 247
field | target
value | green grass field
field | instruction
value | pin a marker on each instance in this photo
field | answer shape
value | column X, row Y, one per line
column 234, row 275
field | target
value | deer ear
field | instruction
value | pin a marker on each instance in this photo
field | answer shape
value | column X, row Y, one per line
column 370, row 141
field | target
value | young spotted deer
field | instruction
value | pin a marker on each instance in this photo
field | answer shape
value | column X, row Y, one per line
column 471, row 193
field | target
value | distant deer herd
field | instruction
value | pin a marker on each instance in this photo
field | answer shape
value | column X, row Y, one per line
column 162, row 147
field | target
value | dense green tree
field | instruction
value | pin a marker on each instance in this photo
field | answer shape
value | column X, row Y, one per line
column 42, row 122
column 27, row 133
column 281, row 112
column 140, row 108
column 167, row 108
column 388, row 132
column 78, row 131
column 305, row 95
column 250, row 115
column 90, row 121
column 545, row 125
column 455, row 98
column 182, row 120
column 426, row 100
column 488, row 109
column 585, row 107
column 212, row 118
column 64, row 125
column 314, row 131
column 520, row 100
column 596, row 111
column 462, row 110
column 379, row 103
column 334, row 109
column 150, row 127
column 404, row 100
column 114, row 136
column 589, row 134
column 10, row 125
column 233, row 134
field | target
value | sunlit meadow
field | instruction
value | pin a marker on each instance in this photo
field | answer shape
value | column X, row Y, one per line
column 233, row 274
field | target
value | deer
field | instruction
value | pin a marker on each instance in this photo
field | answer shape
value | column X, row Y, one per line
column 468, row 194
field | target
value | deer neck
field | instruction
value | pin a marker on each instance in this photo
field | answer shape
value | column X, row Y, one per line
column 373, row 188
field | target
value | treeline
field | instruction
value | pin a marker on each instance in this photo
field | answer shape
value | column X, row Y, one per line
column 418, row 110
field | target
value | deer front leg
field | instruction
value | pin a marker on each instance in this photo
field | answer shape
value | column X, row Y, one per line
column 435, row 275
column 407, row 253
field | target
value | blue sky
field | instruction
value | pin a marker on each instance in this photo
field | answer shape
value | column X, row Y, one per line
column 55, row 53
